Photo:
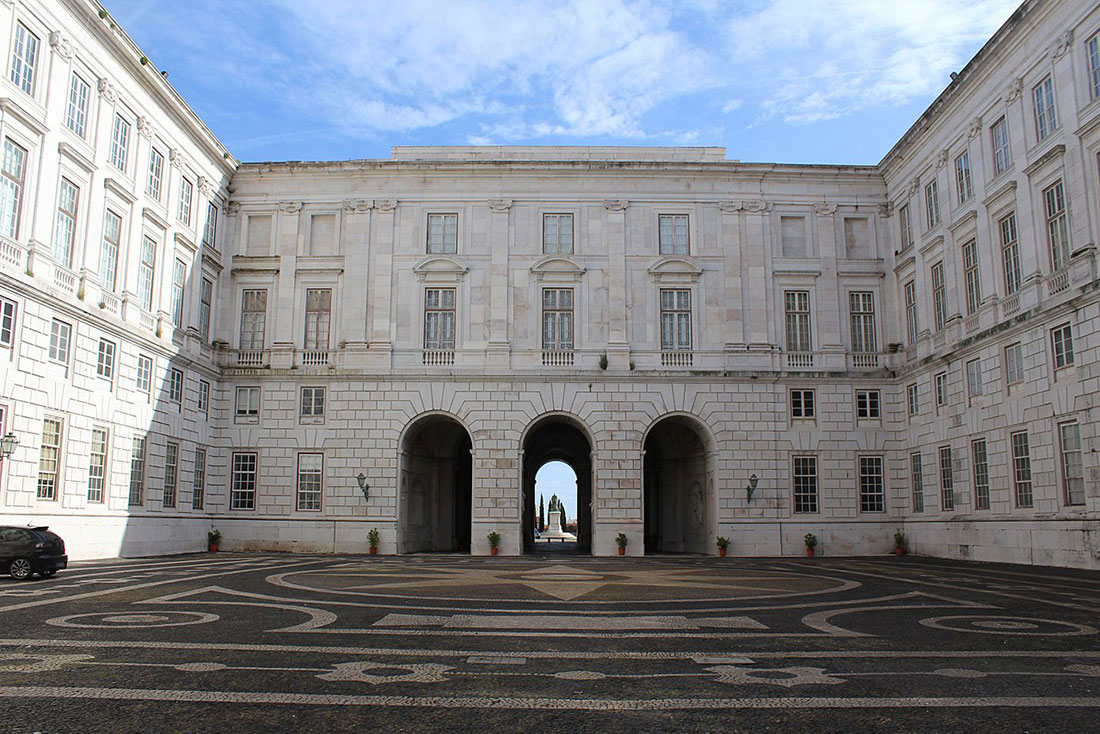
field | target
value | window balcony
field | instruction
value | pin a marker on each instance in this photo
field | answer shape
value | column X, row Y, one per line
column 800, row 360
column 251, row 358
column 146, row 320
column 864, row 360
column 315, row 357
column 1010, row 304
column 557, row 358
column 64, row 279
column 677, row 358
column 109, row 302
column 12, row 254
column 438, row 357
column 1058, row 282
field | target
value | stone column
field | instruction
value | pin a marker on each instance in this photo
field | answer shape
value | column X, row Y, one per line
column 618, row 345
column 355, row 247
column 497, row 349
column 755, row 294
column 380, row 333
column 733, row 314
column 286, row 249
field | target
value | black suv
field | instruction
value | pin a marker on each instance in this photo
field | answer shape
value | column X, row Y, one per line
column 26, row 551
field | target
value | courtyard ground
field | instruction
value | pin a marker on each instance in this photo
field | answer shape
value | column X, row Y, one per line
column 263, row 642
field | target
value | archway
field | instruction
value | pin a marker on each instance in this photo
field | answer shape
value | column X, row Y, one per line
column 678, row 488
column 436, row 476
column 558, row 438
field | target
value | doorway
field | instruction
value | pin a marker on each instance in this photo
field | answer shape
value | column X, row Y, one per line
column 678, row 488
column 558, row 439
column 434, row 500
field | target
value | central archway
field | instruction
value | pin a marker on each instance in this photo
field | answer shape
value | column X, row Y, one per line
column 434, row 503
column 678, row 481
column 558, row 438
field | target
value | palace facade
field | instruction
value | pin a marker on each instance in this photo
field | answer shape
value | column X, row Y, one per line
column 751, row 350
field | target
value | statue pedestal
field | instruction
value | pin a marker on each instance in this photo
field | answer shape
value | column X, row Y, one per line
column 554, row 531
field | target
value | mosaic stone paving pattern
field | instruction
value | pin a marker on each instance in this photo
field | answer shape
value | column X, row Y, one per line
column 227, row 642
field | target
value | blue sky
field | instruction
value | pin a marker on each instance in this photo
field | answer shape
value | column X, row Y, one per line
column 801, row 81
column 557, row 477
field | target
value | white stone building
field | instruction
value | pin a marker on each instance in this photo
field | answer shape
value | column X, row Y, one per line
column 908, row 346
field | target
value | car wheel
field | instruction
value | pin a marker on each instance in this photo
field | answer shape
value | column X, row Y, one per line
column 47, row 574
column 21, row 569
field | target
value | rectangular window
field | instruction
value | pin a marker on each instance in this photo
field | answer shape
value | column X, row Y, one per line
column 911, row 312
column 105, row 362
column 1021, row 469
column 210, row 232
column 912, row 399
column 108, row 257
column 939, row 297
column 872, row 488
column 198, row 488
column 932, row 204
column 7, row 323
column 557, row 234
column 49, row 464
column 187, row 190
column 144, row 382
column 557, row 319
column 147, row 271
column 1092, row 47
column 868, row 404
column 1054, row 205
column 60, row 336
column 171, row 472
column 1002, row 156
column 64, row 235
column 980, row 459
column 248, row 402
column 243, row 488
column 1073, row 474
column 11, row 188
column 24, row 59
column 1046, row 121
column 802, row 404
column 120, row 144
column 179, row 280
column 206, row 298
column 76, row 113
column 175, row 387
column 947, row 480
column 318, row 318
column 673, row 233
column 442, row 233
column 203, row 405
column 972, row 277
column 310, row 471
column 439, row 318
column 861, row 311
column 916, row 478
column 1010, row 254
column 963, row 184
column 97, row 464
column 137, row 472
column 155, row 181
column 675, row 320
column 1061, row 343
column 1014, row 364
column 942, row 394
column 313, row 402
column 974, row 378
column 804, row 472
column 906, row 227
column 796, row 306
column 253, row 319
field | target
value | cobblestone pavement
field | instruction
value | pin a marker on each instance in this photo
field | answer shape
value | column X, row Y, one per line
column 263, row 642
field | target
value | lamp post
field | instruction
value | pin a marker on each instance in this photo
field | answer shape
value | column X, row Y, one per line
column 363, row 486
column 7, row 445
column 751, row 487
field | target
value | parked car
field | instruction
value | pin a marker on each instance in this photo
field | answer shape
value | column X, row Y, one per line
column 25, row 551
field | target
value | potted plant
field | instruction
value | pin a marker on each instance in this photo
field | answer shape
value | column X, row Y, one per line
column 372, row 538
column 621, row 540
column 723, row 543
column 811, row 542
column 494, row 542
column 899, row 543
column 213, row 537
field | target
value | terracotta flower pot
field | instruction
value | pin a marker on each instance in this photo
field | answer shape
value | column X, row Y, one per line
column 493, row 551
column 213, row 547
column 721, row 552
column 374, row 550
column 899, row 551
column 809, row 552
column 622, row 551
